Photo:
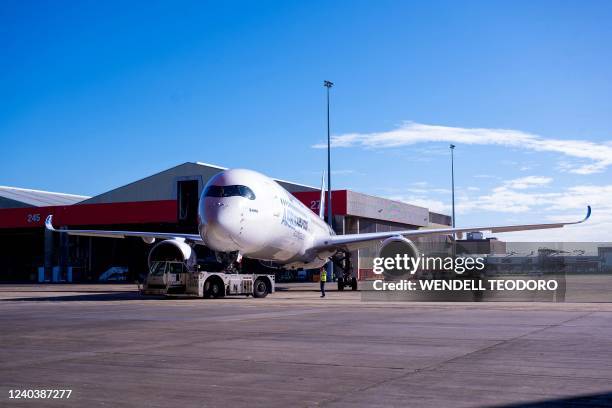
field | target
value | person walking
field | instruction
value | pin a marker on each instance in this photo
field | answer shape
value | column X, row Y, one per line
column 323, row 279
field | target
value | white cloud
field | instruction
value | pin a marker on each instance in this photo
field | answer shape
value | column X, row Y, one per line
column 596, row 229
column 520, row 197
column 592, row 157
column 527, row 182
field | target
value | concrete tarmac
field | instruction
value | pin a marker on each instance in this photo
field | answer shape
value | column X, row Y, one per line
column 113, row 348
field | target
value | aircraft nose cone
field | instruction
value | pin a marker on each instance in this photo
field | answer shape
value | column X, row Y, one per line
column 221, row 226
column 228, row 219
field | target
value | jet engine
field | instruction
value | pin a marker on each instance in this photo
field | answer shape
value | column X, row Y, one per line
column 393, row 247
column 173, row 250
column 398, row 244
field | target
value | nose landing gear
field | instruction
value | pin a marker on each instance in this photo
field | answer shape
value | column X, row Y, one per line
column 231, row 261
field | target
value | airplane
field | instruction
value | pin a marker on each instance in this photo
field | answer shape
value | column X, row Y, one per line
column 243, row 213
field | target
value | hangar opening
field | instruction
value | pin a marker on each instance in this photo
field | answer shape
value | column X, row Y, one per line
column 187, row 201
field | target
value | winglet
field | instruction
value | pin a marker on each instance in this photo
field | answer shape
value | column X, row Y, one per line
column 588, row 215
column 49, row 223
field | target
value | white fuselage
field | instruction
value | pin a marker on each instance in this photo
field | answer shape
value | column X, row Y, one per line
column 245, row 211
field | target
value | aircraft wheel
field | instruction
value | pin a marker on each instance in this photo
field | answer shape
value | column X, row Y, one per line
column 260, row 289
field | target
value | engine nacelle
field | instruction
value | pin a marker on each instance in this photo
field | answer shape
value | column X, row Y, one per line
column 399, row 243
column 393, row 247
column 173, row 250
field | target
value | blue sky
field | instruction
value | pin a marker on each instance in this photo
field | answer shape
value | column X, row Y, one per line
column 97, row 94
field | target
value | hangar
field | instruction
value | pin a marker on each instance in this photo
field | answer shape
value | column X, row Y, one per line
column 165, row 201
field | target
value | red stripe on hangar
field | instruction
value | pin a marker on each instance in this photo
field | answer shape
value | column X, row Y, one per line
column 311, row 199
column 140, row 212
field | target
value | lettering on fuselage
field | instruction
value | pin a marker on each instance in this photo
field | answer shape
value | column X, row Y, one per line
column 292, row 216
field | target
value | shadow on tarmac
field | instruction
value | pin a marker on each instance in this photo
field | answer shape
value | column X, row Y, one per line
column 96, row 297
column 84, row 295
column 591, row 400
column 112, row 297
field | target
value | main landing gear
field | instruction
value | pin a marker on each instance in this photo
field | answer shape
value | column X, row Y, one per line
column 342, row 261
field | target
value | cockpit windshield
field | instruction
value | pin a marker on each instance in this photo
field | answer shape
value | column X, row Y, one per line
column 229, row 191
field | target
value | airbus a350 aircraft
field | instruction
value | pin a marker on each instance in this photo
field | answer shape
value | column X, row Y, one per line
column 244, row 213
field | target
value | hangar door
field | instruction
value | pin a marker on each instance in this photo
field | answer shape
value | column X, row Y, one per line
column 187, row 202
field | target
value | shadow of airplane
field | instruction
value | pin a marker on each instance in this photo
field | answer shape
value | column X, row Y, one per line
column 580, row 401
column 91, row 297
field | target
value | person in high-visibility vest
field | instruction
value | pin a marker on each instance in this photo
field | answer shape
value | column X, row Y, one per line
column 323, row 279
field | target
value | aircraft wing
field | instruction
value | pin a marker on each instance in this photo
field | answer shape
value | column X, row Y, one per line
column 122, row 234
column 351, row 242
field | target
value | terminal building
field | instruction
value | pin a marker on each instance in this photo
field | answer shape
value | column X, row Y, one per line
column 166, row 202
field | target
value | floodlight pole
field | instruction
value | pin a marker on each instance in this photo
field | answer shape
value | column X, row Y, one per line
column 452, row 149
column 328, row 85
